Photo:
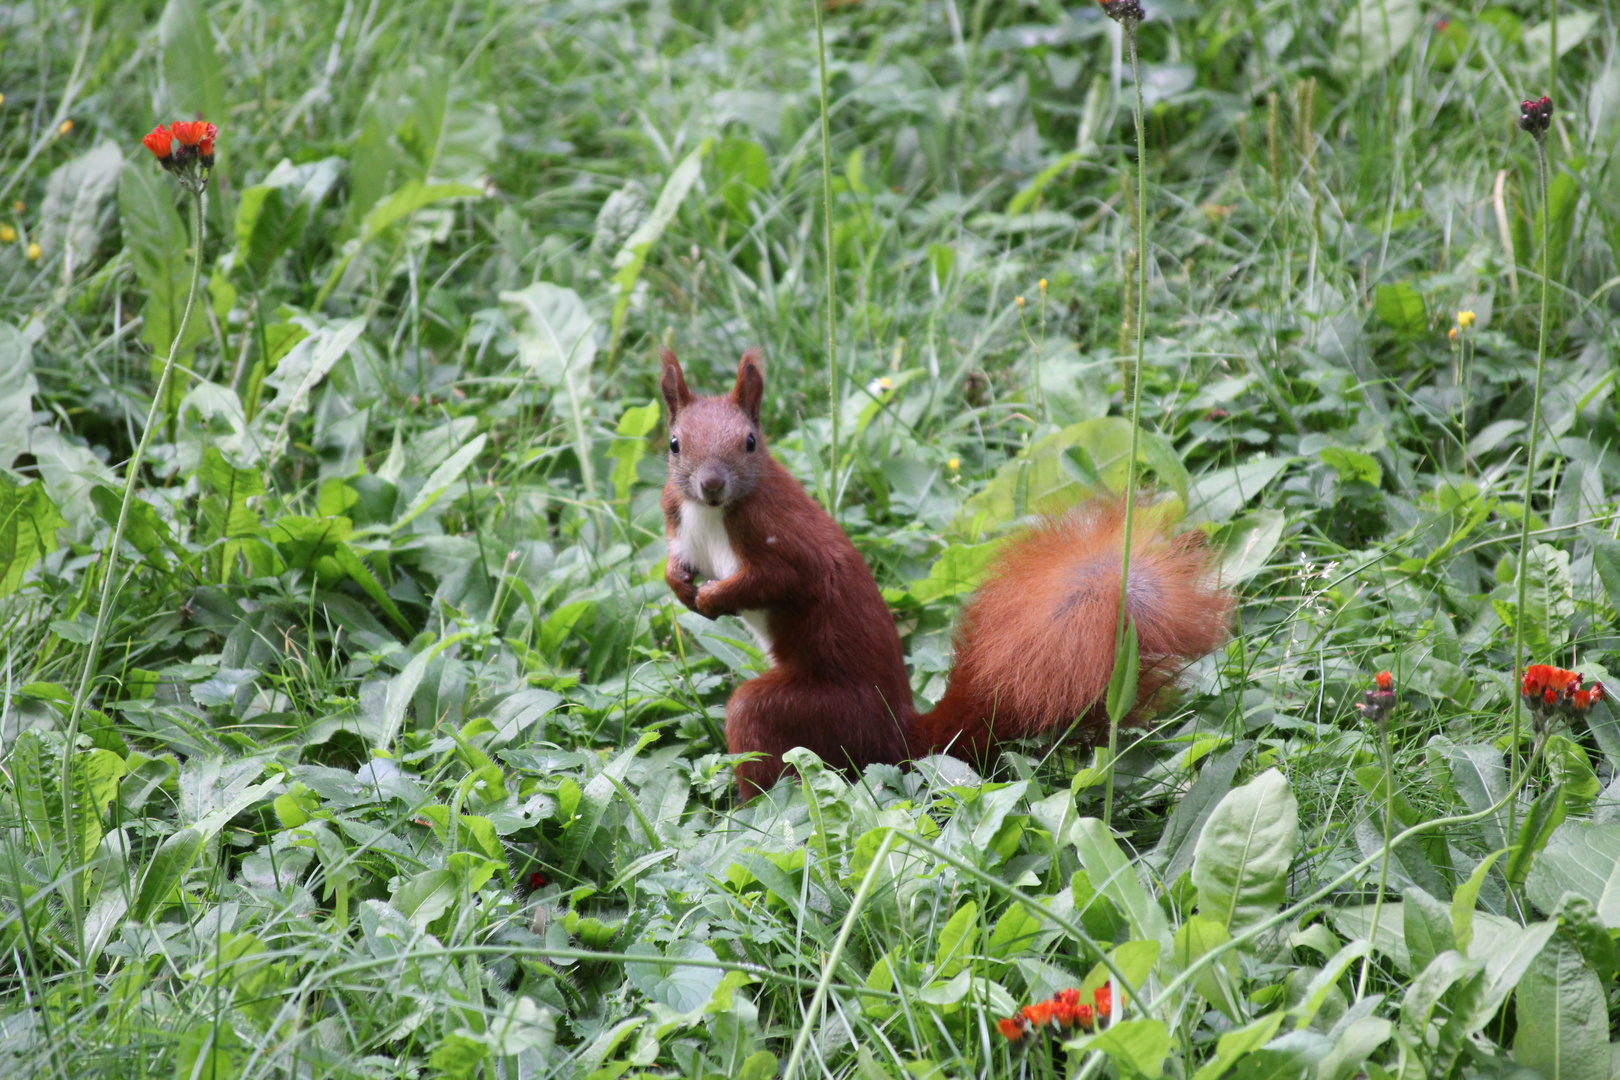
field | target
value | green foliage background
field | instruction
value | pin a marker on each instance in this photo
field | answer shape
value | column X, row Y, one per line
column 402, row 762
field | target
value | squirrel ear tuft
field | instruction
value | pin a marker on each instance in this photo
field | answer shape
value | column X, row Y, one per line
column 673, row 383
column 750, row 388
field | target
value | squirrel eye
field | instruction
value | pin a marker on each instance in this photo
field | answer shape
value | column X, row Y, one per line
column 674, row 445
column 750, row 442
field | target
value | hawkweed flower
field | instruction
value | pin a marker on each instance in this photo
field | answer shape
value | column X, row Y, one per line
column 1550, row 692
column 1465, row 320
column 1535, row 117
column 8, row 235
column 1019, row 300
column 1012, row 1027
column 34, row 252
column 1376, row 703
column 1061, row 1012
column 1104, row 998
column 1452, row 333
column 64, row 127
column 186, row 149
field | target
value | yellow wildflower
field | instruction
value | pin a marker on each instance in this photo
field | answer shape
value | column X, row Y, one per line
column 954, row 464
column 1465, row 319
column 1019, row 300
column 7, row 234
column 1452, row 334
column 34, row 252
column 67, row 126
column 1043, row 286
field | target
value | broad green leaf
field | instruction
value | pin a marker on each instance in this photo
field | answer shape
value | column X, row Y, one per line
column 632, row 257
column 302, row 369
column 70, row 218
column 1477, row 771
column 1014, row 933
column 1356, row 1043
column 1428, row 926
column 680, row 986
column 409, row 198
column 556, row 335
column 437, row 484
column 1563, row 1017
column 229, row 519
column 1139, row 1047
column 630, row 446
column 959, row 570
column 958, row 940
column 1240, row 865
column 1583, row 859
column 402, row 688
column 1249, row 544
column 746, row 169
column 1400, row 306
column 1545, row 815
column 1549, row 601
column 427, row 896
column 166, row 870
column 28, row 524
column 594, row 801
column 1115, row 877
column 1238, row 1043
column 144, row 530
column 17, row 389
column 156, row 242
column 192, row 69
column 1038, row 481
column 1372, row 33
column 1196, row 936
column 1323, row 982
column 1220, row 493
column 1353, row 465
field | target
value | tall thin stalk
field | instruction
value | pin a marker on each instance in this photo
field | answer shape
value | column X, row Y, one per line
column 831, row 498
column 1535, row 117
column 1128, row 13
column 132, row 473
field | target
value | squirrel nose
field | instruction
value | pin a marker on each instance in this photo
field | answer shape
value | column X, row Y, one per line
column 712, row 488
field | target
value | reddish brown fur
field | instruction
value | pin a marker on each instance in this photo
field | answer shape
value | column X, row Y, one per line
column 1034, row 649
column 1035, row 644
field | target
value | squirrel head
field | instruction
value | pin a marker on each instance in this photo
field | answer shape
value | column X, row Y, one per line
column 716, row 448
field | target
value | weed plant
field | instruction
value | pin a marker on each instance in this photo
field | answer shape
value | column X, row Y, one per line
column 380, row 748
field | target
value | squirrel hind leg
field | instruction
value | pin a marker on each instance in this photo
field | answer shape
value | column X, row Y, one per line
column 848, row 727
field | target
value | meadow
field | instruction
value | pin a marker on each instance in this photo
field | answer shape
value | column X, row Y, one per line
column 353, row 732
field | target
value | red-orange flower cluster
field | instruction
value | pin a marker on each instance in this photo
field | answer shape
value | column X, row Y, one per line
column 1376, row 703
column 182, row 146
column 1552, row 691
column 1061, row 1012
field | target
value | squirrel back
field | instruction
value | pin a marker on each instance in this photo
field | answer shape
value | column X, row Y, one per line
column 1034, row 647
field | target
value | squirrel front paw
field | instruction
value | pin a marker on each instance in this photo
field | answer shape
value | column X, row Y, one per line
column 681, row 579
column 707, row 604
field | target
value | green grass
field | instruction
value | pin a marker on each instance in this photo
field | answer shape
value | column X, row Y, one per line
column 400, row 759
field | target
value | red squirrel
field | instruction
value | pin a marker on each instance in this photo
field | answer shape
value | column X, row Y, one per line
column 1035, row 643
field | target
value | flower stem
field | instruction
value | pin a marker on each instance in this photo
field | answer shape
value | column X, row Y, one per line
column 132, row 472
column 827, row 233
column 1521, row 576
column 1135, row 389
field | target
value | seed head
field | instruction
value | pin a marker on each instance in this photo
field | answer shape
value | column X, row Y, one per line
column 1128, row 13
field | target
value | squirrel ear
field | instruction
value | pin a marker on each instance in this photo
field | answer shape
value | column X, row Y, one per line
column 750, row 388
column 673, row 383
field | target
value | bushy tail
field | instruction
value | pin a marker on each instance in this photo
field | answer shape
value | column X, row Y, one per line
column 1035, row 646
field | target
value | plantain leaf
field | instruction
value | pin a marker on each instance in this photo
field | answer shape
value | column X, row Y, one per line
column 1240, row 865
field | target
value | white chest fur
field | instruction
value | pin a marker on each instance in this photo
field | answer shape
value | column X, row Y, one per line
column 701, row 541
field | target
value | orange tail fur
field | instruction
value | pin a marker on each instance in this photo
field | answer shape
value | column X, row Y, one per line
column 1035, row 646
